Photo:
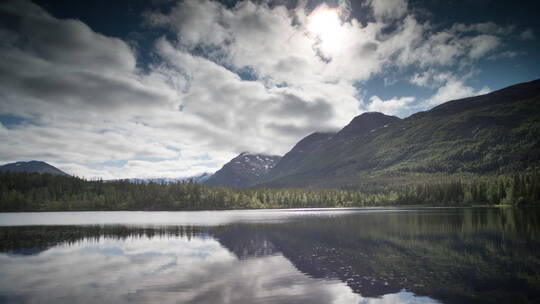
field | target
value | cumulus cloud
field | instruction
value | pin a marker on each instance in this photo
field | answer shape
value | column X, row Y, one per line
column 421, row 79
column 453, row 89
column 425, row 47
column 81, row 95
column 391, row 9
column 194, row 22
column 47, row 38
column 232, row 114
column 52, row 64
column 392, row 106
column 447, row 85
column 483, row 44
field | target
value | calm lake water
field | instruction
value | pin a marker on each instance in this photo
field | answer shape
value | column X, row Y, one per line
column 422, row 255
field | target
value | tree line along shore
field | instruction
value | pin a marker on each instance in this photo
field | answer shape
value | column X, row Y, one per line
column 46, row 192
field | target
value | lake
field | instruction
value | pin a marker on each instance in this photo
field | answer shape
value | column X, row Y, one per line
column 372, row 255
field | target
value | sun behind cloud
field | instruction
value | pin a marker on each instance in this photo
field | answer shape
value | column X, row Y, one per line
column 326, row 26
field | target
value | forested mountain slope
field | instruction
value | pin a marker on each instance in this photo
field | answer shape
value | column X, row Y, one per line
column 493, row 133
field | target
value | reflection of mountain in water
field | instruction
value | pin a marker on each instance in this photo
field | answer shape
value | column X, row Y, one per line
column 463, row 256
column 310, row 256
column 472, row 256
column 247, row 242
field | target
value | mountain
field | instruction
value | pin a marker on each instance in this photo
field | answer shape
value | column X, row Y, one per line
column 33, row 166
column 307, row 146
column 201, row 178
column 311, row 145
column 243, row 170
column 494, row 133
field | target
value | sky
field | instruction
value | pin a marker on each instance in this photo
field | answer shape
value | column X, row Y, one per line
column 162, row 88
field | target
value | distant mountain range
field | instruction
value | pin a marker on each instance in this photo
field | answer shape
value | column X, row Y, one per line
column 198, row 179
column 494, row 133
column 33, row 166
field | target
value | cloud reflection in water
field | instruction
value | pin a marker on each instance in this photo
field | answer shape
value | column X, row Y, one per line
column 166, row 269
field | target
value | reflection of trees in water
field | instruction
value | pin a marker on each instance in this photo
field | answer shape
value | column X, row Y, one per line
column 474, row 255
column 465, row 257
column 459, row 256
column 35, row 239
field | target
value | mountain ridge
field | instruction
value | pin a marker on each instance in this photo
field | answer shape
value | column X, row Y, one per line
column 364, row 123
column 197, row 179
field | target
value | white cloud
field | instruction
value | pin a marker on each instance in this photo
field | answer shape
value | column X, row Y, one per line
column 84, row 100
column 392, row 106
column 483, row 44
column 194, row 21
column 233, row 114
column 391, row 9
column 47, row 39
column 453, row 89
column 420, row 79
